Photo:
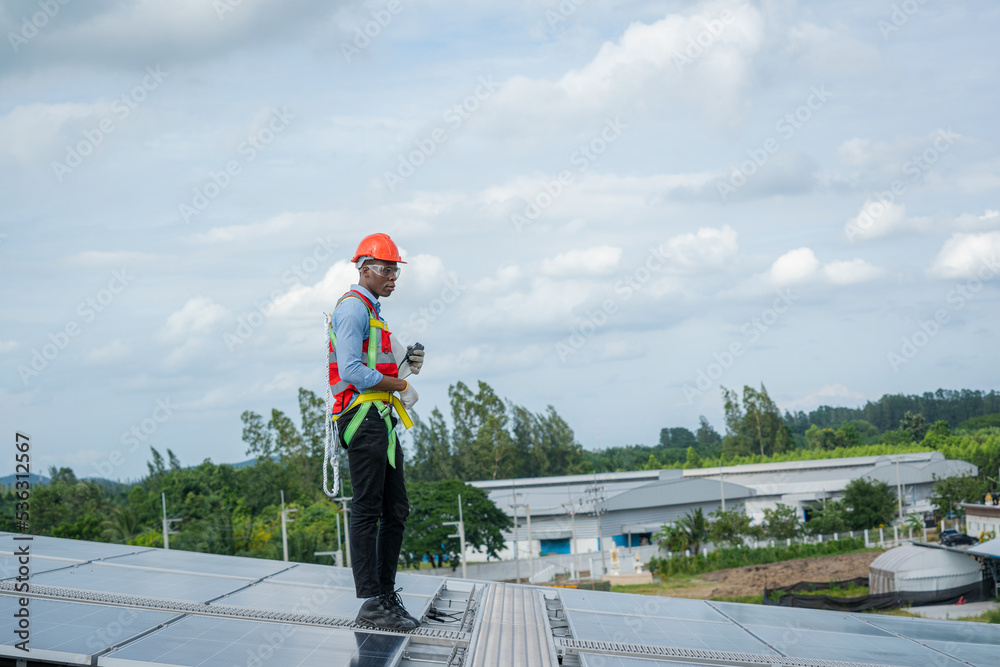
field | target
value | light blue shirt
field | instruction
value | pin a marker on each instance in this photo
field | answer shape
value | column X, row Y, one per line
column 350, row 326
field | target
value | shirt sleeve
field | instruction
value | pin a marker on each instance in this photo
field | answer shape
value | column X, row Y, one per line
column 350, row 326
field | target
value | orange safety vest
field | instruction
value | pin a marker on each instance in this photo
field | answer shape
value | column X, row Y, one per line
column 377, row 352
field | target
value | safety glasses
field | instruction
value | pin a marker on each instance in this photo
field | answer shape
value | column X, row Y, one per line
column 385, row 271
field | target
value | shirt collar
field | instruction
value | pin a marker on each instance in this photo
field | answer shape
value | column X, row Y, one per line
column 371, row 297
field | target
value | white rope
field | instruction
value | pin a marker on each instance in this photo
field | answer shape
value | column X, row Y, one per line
column 331, row 449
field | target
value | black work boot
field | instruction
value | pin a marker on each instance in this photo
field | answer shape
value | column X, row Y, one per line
column 381, row 613
column 397, row 603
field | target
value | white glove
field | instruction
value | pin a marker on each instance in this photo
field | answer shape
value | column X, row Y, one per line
column 416, row 359
column 408, row 397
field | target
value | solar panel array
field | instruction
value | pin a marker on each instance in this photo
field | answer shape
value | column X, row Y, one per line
column 124, row 606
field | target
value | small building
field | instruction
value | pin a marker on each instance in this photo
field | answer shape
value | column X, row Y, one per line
column 982, row 521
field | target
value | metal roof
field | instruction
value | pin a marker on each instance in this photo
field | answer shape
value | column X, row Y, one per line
column 676, row 492
column 299, row 615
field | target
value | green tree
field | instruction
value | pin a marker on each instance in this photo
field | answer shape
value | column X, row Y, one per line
column 827, row 518
column 730, row 527
column 915, row 424
column 709, row 441
column 782, row 522
column 695, row 526
column 672, row 538
column 868, row 503
column 949, row 492
column 482, row 444
column 652, row 463
column 692, row 460
column 432, row 459
column 433, row 503
column 755, row 426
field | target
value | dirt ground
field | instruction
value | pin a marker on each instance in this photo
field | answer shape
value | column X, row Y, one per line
column 751, row 580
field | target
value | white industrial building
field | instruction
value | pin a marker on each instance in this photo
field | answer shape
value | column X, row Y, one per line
column 589, row 513
column 802, row 484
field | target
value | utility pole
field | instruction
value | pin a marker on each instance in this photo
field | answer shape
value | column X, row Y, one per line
column 284, row 528
column 571, row 506
column 531, row 552
column 722, row 485
column 167, row 532
column 597, row 513
column 460, row 524
column 517, row 560
column 899, row 491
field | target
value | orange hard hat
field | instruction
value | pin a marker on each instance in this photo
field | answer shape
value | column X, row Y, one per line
column 379, row 246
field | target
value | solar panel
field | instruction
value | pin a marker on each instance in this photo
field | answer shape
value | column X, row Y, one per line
column 636, row 629
column 981, row 655
column 640, row 605
column 797, row 619
column 886, row 650
column 342, row 602
column 63, row 548
column 133, row 581
column 920, row 628
column 9, row 565
column 599, row 660
column 200, row 641
column 193, row 561
column 74, row 627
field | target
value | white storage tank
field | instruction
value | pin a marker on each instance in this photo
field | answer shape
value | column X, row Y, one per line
column 916, row 569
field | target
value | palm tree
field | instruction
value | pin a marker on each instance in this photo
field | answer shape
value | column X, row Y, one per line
column 695, row 526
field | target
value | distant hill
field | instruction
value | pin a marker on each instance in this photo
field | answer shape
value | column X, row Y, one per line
column 10, row 480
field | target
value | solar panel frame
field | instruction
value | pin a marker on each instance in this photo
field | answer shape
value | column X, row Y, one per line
column 199, row 641
column 168, row 585
column 76, row 630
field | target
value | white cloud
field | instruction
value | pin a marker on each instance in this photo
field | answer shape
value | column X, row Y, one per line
column 851, row 272
column 793, row 267
column 990, row 214
column 197, row 317
column 32, row 132
column 112, row 352
column 967, row 256
column 598, row 261
column 275, row 225
column 9, row 346
column 649, row 61
column 709, row 248
column 877, row 219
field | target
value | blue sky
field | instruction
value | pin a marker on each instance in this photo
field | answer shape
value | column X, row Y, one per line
column 610, row 207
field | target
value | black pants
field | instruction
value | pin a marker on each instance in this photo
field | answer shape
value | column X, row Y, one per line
column 379, row 507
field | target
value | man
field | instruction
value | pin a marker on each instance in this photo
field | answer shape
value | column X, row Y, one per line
column 363, row 376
